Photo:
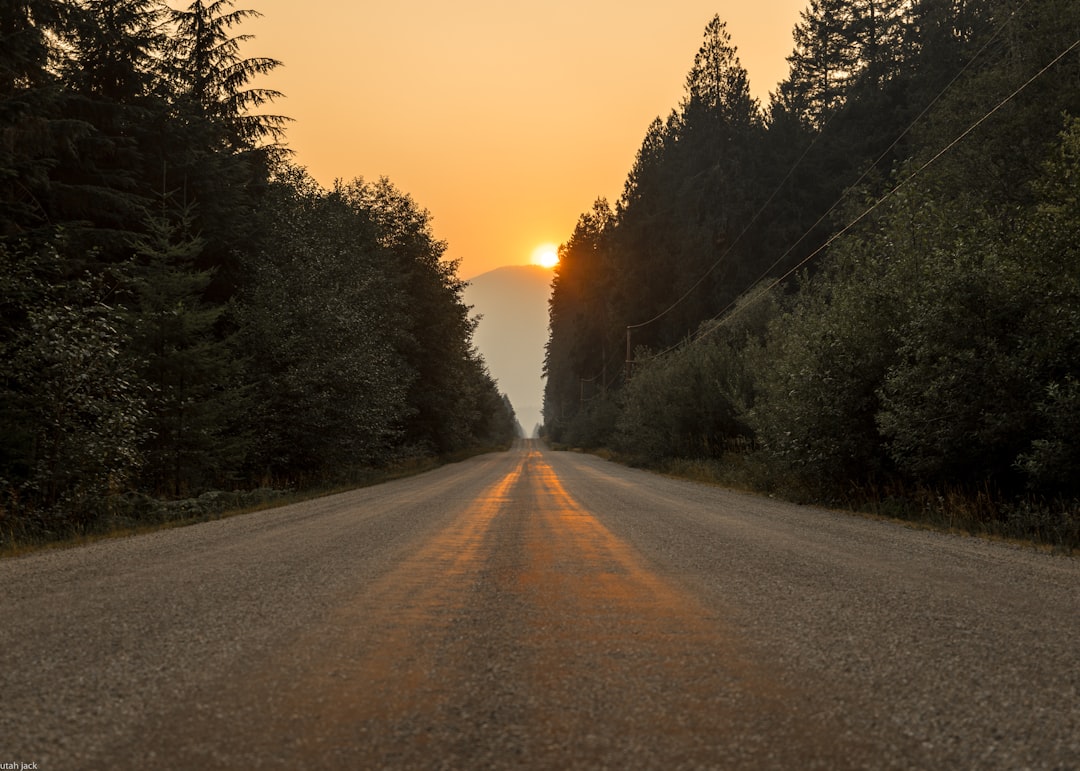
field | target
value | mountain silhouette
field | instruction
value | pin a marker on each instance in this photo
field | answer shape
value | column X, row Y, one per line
column 513, row 305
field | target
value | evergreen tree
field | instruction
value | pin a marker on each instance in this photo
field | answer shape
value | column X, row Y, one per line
column 214, row 80
column 117, row 45
column 188, row 370
column 211, row 143
column 111, row 79
column 583, row 345
column 823, row 62
column 722, row 137
column 32, row 129
column 689, row 198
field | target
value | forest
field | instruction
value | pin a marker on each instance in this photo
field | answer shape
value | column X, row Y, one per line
column 182, row 309
column 865, row 292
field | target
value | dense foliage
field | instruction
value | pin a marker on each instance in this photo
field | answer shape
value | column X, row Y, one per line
column 871, row 281
column 181, row 308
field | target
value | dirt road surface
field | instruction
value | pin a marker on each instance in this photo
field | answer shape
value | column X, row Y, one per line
column 534, row 609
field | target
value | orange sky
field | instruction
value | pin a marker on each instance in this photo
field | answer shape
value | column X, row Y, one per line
column 505, row 120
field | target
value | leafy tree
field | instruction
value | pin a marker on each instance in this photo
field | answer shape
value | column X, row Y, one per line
column 498, row 424
column 954, row 405
column 436, row 331
column 70, row 413
column 984, row 385
column 994, row 167
column 1049, row 251
column 492, row 421
column 816, row 384
column 318, row 329
column 243, row 320
column 1054, row 456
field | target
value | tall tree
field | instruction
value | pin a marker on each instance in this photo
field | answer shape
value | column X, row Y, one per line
column 188, row 370
column 117, row 48
column 319, row 320
column 717, row 84
column 823, row 61
column 1008, row 48
column 215, row 80
column 582, row 345
column 213, row 144
column 722, row 135
column 436, row 335
column 112, row 77
column 32, row 129
column 689, row 198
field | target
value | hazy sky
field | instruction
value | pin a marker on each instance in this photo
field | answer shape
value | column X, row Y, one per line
column 505, row 120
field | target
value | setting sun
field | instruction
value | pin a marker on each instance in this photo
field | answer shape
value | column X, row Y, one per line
column 546, row 255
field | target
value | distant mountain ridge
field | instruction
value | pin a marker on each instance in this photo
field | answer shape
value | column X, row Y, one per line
column 513, row 305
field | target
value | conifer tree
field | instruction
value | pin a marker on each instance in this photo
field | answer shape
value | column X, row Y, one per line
column 32, row 129
column 112, row 78
column 212, row 144
column 582, row 341
column 823, row 61
column 215, row 81
column 189, row 372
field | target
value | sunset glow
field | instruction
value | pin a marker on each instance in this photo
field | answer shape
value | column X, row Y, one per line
column 546, row 256
column 453, row 104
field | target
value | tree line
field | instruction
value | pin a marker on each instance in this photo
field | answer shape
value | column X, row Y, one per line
column 873, row 281
column 181, row 307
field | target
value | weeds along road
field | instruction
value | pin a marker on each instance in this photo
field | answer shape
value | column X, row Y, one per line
column 541, row 610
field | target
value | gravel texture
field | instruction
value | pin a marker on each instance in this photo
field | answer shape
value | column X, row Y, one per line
column 534, row 609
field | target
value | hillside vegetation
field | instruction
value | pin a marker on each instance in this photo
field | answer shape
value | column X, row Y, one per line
column 867, row 290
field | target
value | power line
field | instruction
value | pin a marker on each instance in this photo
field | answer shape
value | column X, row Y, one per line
column 888, row 195
column 835, row 204
column 883, row 155
column 738, row 238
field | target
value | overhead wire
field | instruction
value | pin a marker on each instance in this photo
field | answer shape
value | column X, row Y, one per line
column 738, row 238
column 847, row 228
column 835, row 204
column 791, row 170
column 891, row 147
column 739, row 301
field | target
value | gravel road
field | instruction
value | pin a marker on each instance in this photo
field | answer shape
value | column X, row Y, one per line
column 534, row 609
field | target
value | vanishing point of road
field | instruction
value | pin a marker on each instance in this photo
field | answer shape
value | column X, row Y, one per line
column 534, row 609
